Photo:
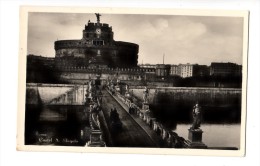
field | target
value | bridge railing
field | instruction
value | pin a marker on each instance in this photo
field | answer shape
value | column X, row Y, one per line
column 96, row 135
column 169, row 138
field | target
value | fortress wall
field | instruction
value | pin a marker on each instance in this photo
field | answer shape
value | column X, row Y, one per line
column 120, row 54
column 171, row 104
column 206, row 95
column 81, row 77
column 70, row 52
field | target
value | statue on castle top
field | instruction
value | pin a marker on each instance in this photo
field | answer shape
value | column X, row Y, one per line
column 196, row 115
column 98, row 17
column 145, row 94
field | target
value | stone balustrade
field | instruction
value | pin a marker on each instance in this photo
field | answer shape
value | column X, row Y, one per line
column 170, row 138
column 96, row 135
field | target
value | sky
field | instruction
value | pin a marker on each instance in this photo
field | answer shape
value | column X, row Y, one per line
column 181, row 39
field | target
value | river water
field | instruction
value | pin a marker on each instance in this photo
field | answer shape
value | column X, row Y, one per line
column 221, row 112
column 215, row 135
column 58, row 125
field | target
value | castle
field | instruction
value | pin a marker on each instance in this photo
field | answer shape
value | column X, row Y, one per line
column 97, row 53
column 96, row 49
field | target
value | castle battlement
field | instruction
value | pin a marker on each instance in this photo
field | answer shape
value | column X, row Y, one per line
column 106, row 70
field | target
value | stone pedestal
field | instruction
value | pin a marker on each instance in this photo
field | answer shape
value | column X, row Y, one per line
column 96, row 139
column 195, row 139
column 195, row 135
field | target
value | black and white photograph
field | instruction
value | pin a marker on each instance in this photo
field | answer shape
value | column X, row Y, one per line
column 136, row 81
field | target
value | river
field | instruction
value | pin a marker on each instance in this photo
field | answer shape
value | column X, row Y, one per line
column 215, row 135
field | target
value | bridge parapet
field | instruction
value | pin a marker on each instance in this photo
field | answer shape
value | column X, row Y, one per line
column 170, row 139
column 93, row 104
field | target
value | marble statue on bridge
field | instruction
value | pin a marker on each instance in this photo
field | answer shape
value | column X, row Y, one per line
column 195, row 133
column 196, row 114
column 127, row 94
column 145, row 95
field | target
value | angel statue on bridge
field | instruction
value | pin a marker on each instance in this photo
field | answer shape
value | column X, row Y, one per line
column 196, row 114
column 145, row 95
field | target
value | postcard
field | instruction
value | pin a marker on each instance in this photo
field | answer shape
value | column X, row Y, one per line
column 125, row 80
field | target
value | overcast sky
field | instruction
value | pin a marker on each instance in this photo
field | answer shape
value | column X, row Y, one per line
column 183, row 39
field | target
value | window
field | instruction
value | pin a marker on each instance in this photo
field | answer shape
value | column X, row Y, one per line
column 98, row 42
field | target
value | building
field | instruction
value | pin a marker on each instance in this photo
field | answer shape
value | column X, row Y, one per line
column 174, row 71
column 200, row 70
column 189, row 70
column 162, row 70
column 186, row 70
column 96, row 48
column 225, row 69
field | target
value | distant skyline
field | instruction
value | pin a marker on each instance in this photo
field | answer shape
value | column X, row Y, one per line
column 182, row 39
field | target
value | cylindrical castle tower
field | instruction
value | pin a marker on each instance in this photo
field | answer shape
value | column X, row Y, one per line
column 97, row 48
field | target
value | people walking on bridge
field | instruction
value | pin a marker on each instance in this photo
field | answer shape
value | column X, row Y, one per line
column 114, row 116
column 131, row 109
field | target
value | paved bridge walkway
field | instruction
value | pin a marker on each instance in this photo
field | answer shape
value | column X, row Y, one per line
column 133, row 134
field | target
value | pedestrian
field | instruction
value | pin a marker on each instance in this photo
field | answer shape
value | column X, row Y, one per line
column 116, row 115
column 130, row 109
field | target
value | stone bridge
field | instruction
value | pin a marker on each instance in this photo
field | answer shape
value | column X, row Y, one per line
column 55, row 94
column 139, row 127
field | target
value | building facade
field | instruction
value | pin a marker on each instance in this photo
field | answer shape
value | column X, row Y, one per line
column 189, row 70
column 162, row 70
column 175, row 70
column 201, row 70
column 186, row 70
column 225, row 69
